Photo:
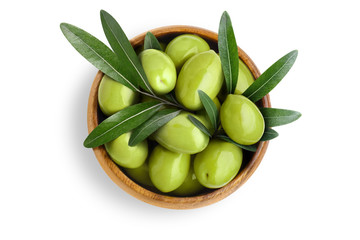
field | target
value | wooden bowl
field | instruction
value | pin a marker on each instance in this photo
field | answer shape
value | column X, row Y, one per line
column 250, row 163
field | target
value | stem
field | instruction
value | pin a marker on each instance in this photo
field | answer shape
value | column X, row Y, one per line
column 218, row 132
column 164, row 101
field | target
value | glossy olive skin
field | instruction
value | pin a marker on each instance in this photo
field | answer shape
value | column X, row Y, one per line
column 181, row 135
column 218, row 164
column 168, row 169
column 201, row 72
column 241, row 120
column 183, row 47
column 113, row 96
column 140, row 174
column 245, row 78
column 124, row 155
column 190, row 186
column 159, row 69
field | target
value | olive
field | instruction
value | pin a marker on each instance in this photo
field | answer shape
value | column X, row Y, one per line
column 183, row 47
column 113, row 96
column 140, row 174
column 159, row 69
column 245, row 78
column 181, row 135
column 124, row 155
column 190, row 185
column 201, row 72
column 241, row 120
column 168, row 169
column 218, row 164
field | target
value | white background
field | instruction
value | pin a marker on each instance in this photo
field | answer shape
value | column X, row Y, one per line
column 307, row 186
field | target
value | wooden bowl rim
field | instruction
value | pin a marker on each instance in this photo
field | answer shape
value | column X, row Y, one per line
column 156, row 199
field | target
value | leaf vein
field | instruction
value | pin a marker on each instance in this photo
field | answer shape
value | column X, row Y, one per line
column 149, row 124
column 93, row 50
column 132, row 63
column 125, row 120
column 228, row 57
column 272, row 76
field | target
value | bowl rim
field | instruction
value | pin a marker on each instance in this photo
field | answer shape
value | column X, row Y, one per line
column 157, row 199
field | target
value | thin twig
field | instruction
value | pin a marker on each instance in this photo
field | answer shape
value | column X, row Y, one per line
column 164, row 101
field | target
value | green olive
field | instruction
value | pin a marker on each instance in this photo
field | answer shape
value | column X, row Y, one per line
column 168, row 169
column 190, row 186
column 181, row 135
column 201, row 72
column 140, row 174
column 245, row 78
column 218, row 164
column 113, row 96
column 159, row 69
column 241, row 120
column 183, row 47
column 124, row 155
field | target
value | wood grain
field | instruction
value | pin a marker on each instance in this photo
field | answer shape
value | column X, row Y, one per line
column 157, row 199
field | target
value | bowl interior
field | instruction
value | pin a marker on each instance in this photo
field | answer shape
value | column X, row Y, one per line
column 154, row 197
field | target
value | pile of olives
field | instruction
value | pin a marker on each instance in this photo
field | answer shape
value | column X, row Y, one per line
column 178, row 158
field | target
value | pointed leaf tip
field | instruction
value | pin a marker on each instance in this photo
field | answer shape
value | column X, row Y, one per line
column 124, row 50
column 121, row 122
column 151, row 42
column 271, row 77
column 210, row 109
column 276, row 117
column 228, row 52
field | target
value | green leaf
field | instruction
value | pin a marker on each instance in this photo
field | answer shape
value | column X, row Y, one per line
column 210, row 109
column 123, row 49
column 199, row 125
column 151, row 42
column 97, row 53
column 271, row 77
column 269, row 134
column 121, row 122
column 228, row 52
column 276, row 117
column 251, row 148
column 151, row 125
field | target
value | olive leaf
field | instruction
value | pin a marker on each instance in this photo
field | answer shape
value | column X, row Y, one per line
column 98, row 54
column 276, row 117
column 251, row 148
column 269, row 134
column 104, row 59
column 121, row 122
column 271, row 77
column 151, row 125
column 228, row 52
column 199, row 125
column 151, row 42
column 123, row 49
column 210, row 109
